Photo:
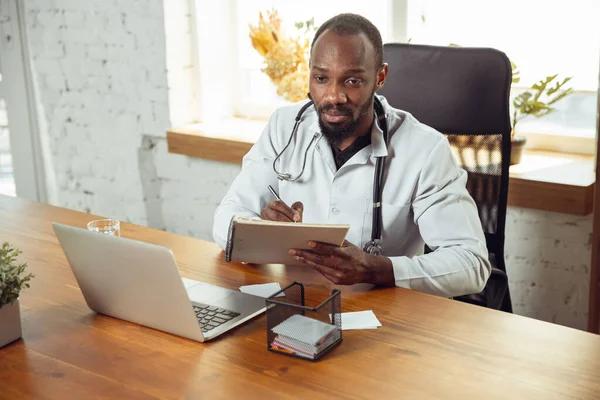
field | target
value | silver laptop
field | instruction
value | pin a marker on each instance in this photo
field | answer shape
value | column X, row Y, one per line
column 140, row 282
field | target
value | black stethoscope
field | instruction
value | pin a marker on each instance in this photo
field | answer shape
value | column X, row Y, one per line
column 373, row 246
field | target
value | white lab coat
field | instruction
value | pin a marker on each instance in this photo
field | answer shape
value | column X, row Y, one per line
column 424, row 197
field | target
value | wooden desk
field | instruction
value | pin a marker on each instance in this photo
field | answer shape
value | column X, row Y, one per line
column 428, row 347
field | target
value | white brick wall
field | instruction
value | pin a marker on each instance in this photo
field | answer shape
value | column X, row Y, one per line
column 101, row 66
column 189, row 189
column 548, row 259
column 100, row 69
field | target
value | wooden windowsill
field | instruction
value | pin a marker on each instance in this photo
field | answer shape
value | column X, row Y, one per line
column 202, row 141
column 552, row 181
column 549, row 181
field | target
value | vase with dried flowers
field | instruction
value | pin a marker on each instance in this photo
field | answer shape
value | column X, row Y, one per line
column 285, row 57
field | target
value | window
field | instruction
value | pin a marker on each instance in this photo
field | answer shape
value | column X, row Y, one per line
column 541, row 37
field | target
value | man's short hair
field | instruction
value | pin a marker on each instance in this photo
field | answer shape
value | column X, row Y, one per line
column 354, row 24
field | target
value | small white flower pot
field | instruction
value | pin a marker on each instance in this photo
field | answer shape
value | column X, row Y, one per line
column 10, row 323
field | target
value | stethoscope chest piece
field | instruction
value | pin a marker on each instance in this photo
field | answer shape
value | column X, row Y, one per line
column 374, row 246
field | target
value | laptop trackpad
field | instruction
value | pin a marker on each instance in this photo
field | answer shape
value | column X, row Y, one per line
column 207, row 294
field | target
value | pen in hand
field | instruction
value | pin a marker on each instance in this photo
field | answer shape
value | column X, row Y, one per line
column 278, row 198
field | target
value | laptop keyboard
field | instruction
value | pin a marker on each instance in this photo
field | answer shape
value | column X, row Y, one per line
column 210, row 317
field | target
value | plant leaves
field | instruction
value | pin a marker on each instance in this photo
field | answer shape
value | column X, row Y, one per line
column 516, row 74
column 558, row 86
column 522, row 99
column 12, row 275
column 560, row 96
column 535, row 108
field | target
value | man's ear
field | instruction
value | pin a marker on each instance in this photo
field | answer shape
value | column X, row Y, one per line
column 381, row 76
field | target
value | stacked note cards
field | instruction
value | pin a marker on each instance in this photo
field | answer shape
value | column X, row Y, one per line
column 303, row 336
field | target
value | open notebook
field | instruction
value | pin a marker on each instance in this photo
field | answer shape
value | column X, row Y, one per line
column 267, row 242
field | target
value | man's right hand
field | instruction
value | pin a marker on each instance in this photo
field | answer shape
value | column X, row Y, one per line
column 278, row 211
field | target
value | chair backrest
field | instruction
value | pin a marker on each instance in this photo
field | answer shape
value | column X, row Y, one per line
column 464, row 94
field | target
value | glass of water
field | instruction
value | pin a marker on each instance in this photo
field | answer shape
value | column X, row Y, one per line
column 105, row 226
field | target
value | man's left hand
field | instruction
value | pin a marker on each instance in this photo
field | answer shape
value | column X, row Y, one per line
column 346, row 265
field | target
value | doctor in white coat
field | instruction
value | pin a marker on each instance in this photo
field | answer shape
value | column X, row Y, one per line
column 331, row 161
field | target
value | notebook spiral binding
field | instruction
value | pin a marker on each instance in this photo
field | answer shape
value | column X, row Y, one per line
column 230, row 235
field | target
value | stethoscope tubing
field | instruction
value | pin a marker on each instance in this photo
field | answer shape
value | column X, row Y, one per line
column 374, row 246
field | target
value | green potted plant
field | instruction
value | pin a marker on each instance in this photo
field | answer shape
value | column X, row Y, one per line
column 537, row 102
column 12, row 281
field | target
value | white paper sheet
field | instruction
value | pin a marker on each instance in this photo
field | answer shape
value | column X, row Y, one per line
column 262, row 290
column 359, row 320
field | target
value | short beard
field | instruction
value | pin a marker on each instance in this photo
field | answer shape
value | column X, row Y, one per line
column 338, row 133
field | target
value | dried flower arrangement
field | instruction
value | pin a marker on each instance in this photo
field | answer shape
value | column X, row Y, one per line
column 286, row 58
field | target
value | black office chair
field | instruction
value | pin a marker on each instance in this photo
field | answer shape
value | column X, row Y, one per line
column 464, row 94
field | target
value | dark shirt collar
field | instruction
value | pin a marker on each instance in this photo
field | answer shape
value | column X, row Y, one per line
column 342, row 156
